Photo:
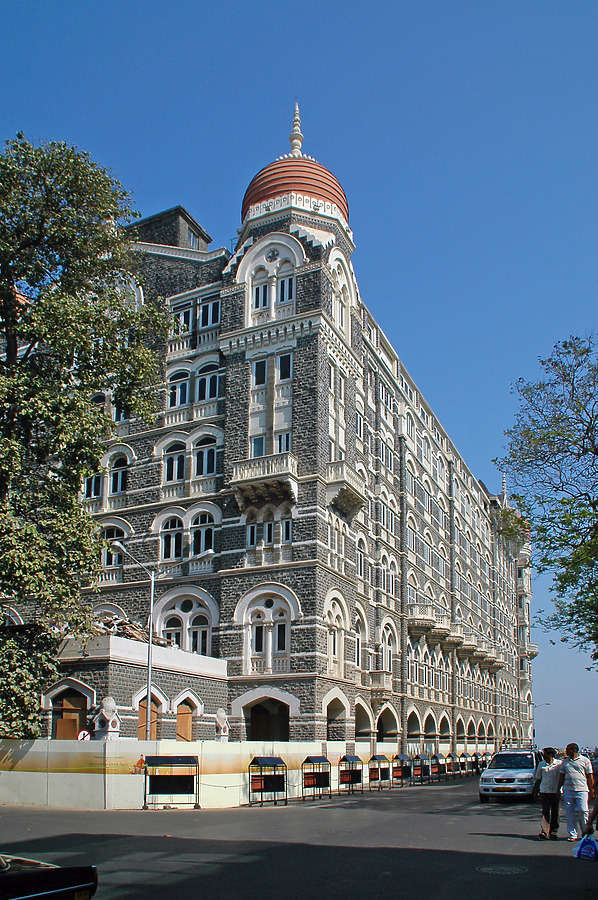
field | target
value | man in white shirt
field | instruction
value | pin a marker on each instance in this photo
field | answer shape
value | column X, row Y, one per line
column 577, row 780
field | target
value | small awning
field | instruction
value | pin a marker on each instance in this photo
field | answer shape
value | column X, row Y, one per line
column 267, row 761
column 316, row 760
column 152, row 761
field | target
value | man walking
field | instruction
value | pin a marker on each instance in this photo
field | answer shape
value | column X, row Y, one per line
column 577, row 780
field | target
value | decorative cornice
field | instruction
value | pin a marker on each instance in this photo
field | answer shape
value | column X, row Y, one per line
column 180, row 252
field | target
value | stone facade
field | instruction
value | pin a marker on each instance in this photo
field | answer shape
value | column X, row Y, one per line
column 311, row 523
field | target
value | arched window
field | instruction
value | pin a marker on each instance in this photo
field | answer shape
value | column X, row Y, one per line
column 202, row 533
column 112, row 559
column 360, row 560
column 178, row 389
column 186, row 622
column 392, row 579
column 205, row 456
column 268, row 636
column 387, row 649
column 172, row 538
column 173, row 631
column 334, row 621
column 174, row 463
column 384, row 574
column 285, row 288
column 208, row 383
column 118, row 476
column 260, row 290
column 199, row 632
column 93, row 487
column 358, row 638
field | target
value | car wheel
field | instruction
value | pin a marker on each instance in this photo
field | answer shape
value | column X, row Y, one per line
column 484, row 798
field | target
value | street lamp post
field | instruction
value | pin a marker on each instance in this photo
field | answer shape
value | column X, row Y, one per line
column 152, row 577
column 536, row 706
column 152, row 573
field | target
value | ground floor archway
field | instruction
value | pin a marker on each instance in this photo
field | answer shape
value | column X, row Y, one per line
column 268, row 721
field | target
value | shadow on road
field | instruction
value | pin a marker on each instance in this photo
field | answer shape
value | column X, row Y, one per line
column 133, row 867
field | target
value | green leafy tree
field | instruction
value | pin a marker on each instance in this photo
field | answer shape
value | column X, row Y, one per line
column 27, row 660
column 552, row 461
column 71, row 327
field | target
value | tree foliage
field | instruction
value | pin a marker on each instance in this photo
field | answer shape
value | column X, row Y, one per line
column 552, row 460
column 27, row 660
column 71, row 328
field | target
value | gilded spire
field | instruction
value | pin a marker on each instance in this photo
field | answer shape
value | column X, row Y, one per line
column 295, row 137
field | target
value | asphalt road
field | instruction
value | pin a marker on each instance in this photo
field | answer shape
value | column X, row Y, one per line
column 432, row 841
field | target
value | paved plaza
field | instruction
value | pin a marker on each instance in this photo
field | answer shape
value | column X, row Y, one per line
column 435, row 840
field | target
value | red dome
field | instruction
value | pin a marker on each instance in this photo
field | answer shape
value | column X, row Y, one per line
column 295, row 174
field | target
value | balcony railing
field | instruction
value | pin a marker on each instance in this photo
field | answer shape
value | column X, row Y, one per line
column 205, row 410
column 113, row 575
column 265, row 478
column 420, row 618
column 345, row 488
column 179, row 345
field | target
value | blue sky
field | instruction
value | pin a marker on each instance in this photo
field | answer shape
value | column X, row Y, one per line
column 463, row 133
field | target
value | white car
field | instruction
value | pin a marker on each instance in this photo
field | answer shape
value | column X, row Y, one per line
column 509, row 774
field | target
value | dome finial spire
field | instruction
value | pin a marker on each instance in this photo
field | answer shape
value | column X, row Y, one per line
column 295, row 137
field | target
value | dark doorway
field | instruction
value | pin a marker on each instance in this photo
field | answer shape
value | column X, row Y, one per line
column 268, row 721
column 69, row 715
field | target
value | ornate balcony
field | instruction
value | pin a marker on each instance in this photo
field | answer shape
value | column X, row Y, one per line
column 441, row 629
column 265, row 478
column 454, row 638
column 532, row 650
column 469, row 645
column 380, row 686
column 480, row 653
column 420, row 618
column 345, row 488
column 497, row 663
column 179, row 345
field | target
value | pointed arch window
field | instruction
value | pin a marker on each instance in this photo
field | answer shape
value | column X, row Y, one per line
column 358, row 640
column 387, row 649
column 361, row 552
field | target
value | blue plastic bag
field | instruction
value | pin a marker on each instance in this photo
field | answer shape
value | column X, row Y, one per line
column 587, row 848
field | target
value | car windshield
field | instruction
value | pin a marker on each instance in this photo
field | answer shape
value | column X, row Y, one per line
column 513, row 761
